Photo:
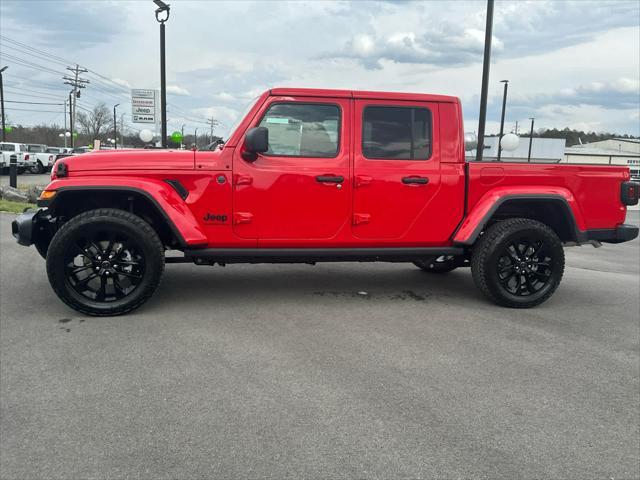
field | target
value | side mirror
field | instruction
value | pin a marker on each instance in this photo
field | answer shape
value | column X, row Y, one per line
column 256, row 140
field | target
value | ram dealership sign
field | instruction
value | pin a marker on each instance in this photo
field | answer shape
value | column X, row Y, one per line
column 144, row 105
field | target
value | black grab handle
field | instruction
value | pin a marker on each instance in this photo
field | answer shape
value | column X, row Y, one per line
column 329, row 179
column 418, row 180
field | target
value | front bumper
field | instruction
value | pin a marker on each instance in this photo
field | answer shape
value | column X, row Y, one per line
column 622, row 233
column 28, row 225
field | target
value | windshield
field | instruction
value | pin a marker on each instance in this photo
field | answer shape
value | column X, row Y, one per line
column 245, row 111
column 36, row 148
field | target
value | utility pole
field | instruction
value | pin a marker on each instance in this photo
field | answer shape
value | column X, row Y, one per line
column 195, row 139
column 65, row 123
column 504, row 105
column 4, row 133
column 516, row 127
column 530, row 139
column 213, row 123
column 182, row 135
column 485, row 80
column 70, row 120
column 115, row 127
column 77, row 83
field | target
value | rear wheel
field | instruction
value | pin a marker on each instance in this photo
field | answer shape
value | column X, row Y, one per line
column 440, row 264
column 39, row 168
column 518, row 263
column 105, row 262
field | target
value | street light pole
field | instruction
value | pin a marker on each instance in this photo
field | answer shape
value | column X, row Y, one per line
column 485, row 80
column 115, row 127
column 163, row 8
column 530, row 139
column 504, row 105
column 182, row 136
column 4, row 133
column 195, row 139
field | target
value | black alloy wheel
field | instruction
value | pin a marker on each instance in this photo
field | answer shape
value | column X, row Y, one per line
column 104, row 265
column 105, row 262
column 524, row 268
column 518, row 262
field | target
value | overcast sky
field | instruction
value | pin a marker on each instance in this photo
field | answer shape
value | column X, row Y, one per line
column 573, row 64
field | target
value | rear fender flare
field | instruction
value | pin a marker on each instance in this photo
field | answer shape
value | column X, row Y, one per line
column 482, row 213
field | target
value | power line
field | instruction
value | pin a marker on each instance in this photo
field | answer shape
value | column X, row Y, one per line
column 33, row 103
column 27, row 110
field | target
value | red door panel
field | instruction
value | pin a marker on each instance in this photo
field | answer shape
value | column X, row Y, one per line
column 293, row 197
column 404, row 201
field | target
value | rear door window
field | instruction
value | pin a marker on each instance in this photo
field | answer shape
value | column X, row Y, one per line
column 396, row 133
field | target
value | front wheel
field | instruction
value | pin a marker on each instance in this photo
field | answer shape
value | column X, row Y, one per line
column 105, row 262
column 518, row 263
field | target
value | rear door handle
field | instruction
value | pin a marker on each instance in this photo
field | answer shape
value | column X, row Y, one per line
column 329, row 179
column 415, row 180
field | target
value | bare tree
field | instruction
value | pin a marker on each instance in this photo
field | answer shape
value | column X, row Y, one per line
column 97, row 123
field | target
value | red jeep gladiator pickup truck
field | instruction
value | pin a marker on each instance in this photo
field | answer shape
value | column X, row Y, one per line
column 321, row 175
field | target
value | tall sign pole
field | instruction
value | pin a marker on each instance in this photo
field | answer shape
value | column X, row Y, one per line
column 163, row 88
column 485, row 80
column 162, row 15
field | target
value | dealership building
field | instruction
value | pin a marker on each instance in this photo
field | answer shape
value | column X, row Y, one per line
column 616, row 151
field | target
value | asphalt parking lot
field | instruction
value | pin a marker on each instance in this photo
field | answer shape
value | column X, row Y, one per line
column 28, row 179
column 288, row 372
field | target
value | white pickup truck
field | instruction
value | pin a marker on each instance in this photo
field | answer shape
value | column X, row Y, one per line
column 43, row 160
column 22, row 154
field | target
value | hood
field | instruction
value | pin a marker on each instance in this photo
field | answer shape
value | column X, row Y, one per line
column 132, row 160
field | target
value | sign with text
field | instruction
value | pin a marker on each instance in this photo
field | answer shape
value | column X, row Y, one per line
column 144, row 105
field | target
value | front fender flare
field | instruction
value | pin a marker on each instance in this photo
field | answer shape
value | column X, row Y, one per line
column 164, row 197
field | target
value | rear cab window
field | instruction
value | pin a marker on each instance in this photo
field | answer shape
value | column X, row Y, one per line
column 396, row 133
column 7, row 147
column 303, row 129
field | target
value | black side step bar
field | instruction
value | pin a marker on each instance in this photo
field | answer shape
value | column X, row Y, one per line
column 309, row 255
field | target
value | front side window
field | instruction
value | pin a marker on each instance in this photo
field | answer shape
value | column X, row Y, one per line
column 302, row 130
column 396, row 133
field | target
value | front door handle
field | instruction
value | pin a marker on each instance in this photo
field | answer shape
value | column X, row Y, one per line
column 415, row 180
column 329, row 179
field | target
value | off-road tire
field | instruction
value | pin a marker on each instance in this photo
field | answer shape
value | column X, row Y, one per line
column 107, row 219
column 493, row 244
column 432, row 265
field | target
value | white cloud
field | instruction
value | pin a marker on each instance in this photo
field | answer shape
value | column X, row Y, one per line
column 176, row 90
column 121, row 82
